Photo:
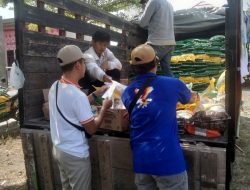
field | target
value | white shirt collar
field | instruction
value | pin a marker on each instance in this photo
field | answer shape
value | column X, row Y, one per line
column 93, row 53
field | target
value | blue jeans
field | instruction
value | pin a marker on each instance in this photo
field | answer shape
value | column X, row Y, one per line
column 164, row 54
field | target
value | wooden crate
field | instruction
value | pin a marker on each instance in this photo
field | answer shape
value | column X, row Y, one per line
column 112, row 167
column 206, row 166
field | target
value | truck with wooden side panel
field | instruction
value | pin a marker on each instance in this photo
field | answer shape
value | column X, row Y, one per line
column 209, row 159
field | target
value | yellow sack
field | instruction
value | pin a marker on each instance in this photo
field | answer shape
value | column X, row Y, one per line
column 5, row 110
column 3, row 99
column 220, row 85
column 210, row 91
column 202, row 56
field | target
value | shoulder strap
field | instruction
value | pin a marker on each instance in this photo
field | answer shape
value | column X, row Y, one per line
column 137, row 96
column 74, row 125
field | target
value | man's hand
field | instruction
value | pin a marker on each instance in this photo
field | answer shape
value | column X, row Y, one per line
column 101, row 90
column 105, row 66
column 194, row 97
column 107, row 78
column 106, row 104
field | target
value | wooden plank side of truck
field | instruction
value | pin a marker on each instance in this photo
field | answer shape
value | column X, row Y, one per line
column 73, row 22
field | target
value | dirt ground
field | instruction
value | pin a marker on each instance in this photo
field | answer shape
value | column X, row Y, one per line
column 12, row 169
column 241, row 171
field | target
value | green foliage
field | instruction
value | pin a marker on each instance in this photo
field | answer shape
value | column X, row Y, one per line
column 3, row 3
column 112, row 6
column 107, row 5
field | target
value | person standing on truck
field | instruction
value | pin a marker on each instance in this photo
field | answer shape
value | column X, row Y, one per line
column 102, row 65
column 72, row 121
column 158, row 19
column 151, row 100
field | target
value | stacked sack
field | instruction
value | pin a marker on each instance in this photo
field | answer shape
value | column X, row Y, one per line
column 198, row 60
column 4, row 103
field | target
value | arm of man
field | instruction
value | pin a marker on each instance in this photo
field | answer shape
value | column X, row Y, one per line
column 99, row 92
column 194, row 97
column 183, row 93
column 92, row 68
column 91, row 126
column 113, row 62
column 147, row 14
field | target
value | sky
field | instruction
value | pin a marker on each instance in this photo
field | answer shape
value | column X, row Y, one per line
column 177, row 4
column 6, row 13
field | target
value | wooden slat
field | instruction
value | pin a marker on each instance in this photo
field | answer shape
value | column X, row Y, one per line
column 29, row 157
column 38, row 158
column 194, row 185
column 103, row 147
column 89, row 11
column 123, row 160
column 192, row 157
column 37, row 64
column 123, row 179
column 43, row 17
column 33, row 97
column 40, row 80
column 93, row 152
column 221, row 162
column 208, row 171
column 31, row 112
column 54, row 166
column 47, row 51
column 41, row 50
column 46, row 39
column 58, row 42
column 45, row 161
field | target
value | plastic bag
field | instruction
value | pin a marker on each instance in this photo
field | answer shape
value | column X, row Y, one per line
column 114, row 93
column 16, row 76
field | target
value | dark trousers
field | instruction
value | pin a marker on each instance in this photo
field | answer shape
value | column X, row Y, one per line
column 88, row 83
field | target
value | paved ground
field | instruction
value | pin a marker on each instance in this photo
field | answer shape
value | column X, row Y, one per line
column 12, row 169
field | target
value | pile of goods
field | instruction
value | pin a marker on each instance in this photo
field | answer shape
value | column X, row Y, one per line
column 198, row 60
column 206, row 117
column 200, row 63
column 4, row 103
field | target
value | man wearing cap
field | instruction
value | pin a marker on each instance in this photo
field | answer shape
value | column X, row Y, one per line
column 102, row 65
column 157, row 156
column 71, row 120
column 158, row 19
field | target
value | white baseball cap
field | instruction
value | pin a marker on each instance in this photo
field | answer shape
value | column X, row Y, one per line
column 69, row 54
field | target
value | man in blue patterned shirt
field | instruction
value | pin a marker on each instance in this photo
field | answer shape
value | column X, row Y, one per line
column 157, row 156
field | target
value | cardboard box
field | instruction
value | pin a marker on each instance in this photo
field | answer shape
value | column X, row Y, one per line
column 46, row 95
column 46, row 110
column 45, row 107
column 114, row 120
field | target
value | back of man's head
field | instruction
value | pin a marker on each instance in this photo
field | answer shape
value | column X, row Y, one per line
column 68, row 56
column 100, row 36
column 143, row 59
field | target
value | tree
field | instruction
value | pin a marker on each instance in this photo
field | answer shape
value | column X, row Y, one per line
column 120, row 8
column 3, row 3
column 107, row 5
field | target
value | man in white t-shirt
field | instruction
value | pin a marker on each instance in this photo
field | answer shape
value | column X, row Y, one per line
column 102, row 65
column 71, row 120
